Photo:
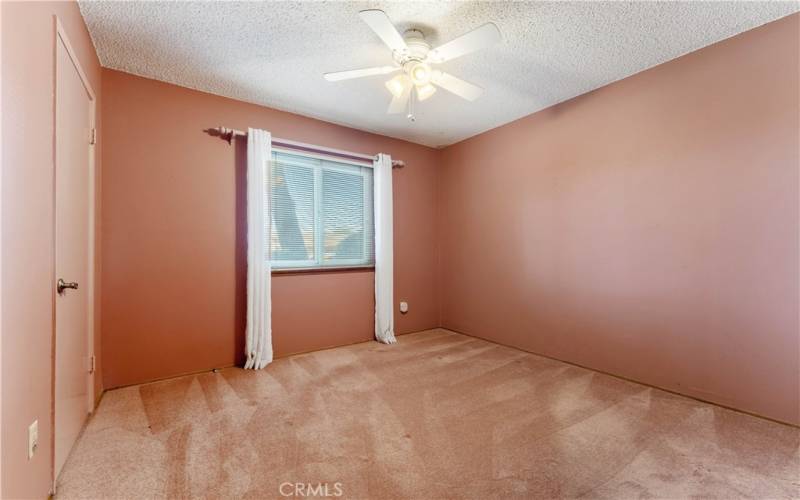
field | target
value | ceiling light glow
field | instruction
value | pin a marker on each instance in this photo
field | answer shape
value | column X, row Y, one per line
column 397, row 85
column 420, row 74
column 425, row 91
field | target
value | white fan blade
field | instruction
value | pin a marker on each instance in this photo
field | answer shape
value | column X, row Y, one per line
column 383, row 27
column 457, row 86
column 399, row 103
column 477, row 39
column 358, row 73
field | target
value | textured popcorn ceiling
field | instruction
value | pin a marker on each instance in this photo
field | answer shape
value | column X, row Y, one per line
column 274, row 54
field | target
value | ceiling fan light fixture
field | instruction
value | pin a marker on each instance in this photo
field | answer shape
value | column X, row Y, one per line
column 425, row 91
column 420, row 74
column 416, row 60
column 397, row 85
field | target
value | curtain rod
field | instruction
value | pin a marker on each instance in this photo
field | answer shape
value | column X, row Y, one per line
column 229, row 133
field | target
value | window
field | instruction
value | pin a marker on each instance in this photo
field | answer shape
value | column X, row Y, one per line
column 321, row 212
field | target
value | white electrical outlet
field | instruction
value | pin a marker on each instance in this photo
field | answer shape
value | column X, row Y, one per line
column 403, row 307
column 33, row 438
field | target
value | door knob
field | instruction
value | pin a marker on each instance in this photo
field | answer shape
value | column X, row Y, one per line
column 62, row 285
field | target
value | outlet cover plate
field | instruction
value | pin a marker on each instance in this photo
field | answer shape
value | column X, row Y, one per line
column 33, row 438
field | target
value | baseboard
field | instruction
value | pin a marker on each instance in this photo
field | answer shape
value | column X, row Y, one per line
column 671, row 391
column 231, row 365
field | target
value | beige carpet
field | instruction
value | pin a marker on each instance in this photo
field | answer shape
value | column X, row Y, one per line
column 438, row 415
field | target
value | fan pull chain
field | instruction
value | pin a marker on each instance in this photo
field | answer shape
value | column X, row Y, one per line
column 411, row 99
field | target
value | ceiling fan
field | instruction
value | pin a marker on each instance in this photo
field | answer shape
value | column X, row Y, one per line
column 415, row 58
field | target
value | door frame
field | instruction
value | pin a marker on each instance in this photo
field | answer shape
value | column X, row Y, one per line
column 60, row 36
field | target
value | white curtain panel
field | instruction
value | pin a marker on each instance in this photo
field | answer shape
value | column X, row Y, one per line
column 384, row 251
column 258, row 346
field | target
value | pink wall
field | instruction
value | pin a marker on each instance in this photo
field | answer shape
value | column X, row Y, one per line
column 28, row 44
column 173, row 218
column 648, row 229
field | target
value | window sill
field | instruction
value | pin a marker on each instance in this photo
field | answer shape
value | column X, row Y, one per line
column 321, row 270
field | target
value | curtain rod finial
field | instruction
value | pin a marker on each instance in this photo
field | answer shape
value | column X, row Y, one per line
column 226, row 133
column 222, row 132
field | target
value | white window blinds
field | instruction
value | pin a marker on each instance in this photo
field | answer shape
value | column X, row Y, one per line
column 321, row 212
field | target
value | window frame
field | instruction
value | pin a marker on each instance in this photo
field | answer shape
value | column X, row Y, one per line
column 316, row 264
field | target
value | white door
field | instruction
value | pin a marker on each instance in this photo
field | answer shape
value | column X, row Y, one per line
column 74, row 121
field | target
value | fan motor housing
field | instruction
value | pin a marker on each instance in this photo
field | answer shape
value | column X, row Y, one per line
column 418, row 48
